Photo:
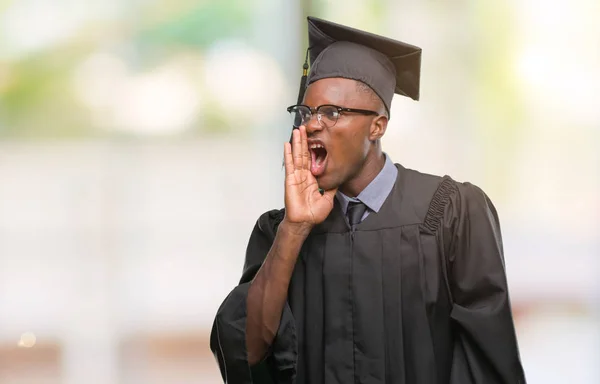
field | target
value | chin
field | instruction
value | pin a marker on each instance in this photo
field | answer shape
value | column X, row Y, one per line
column 326, row 182
column 323, row 183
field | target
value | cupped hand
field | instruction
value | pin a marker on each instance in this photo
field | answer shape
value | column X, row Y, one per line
column 305, row 207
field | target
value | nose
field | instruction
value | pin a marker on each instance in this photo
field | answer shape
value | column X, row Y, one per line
column 313, row 125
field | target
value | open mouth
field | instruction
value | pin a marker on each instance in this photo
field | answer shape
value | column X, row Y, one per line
column 318, row 156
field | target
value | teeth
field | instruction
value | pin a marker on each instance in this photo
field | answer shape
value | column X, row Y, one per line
column 315, row 146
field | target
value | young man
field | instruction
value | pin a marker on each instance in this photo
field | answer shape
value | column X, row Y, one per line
column 372, row 273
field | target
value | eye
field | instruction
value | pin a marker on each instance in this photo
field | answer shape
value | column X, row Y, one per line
column 329, row 113
column 300, row 115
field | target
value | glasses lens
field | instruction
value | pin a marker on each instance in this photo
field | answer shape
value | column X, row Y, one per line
column 300, row 115
column 328, row 115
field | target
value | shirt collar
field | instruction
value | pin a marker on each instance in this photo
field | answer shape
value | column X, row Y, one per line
column 374, row 195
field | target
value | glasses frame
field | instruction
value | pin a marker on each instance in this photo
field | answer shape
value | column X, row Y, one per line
column 340, row 110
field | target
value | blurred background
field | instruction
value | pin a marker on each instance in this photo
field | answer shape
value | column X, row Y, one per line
column 141, row 139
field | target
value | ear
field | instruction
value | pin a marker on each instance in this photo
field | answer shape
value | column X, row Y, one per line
column 378, row 127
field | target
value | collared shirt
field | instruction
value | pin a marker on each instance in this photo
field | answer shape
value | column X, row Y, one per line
column 376, row 192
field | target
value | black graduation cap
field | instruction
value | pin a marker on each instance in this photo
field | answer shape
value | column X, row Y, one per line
column 387, row 66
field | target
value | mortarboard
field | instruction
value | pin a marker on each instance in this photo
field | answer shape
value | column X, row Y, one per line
column 387, row 66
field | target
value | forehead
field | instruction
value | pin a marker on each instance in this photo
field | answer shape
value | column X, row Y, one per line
column 335, row 90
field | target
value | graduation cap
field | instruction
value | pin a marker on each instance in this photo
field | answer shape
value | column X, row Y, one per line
column 387, row 66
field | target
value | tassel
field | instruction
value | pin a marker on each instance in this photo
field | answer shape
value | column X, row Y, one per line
column 303, row 79
column 302, row 85
column 301, row 91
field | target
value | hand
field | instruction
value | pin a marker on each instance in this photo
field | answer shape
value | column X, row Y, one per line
column 304, row 205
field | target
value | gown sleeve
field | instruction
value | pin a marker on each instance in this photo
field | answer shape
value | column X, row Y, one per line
column 485, row 347
column 228, row 335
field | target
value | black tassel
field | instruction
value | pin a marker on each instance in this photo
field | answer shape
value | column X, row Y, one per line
column 303, row 79
column 302, row 85
column 301, row 90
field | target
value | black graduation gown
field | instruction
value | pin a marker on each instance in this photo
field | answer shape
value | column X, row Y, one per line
column 416, row 294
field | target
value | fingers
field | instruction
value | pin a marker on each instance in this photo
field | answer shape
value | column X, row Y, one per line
column 297, row 148
column 305, row 153
column 287, row 159
column 296, row 154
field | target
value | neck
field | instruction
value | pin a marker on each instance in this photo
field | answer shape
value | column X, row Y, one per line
column 370, row 169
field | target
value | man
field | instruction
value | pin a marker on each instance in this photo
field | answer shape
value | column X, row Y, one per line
column 372, row 273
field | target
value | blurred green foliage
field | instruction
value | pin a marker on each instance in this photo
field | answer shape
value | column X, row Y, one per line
column 498, row 104
column 36, row 93
column 37, row 100
column 198, row 26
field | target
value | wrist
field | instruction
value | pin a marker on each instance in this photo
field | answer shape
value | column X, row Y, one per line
column 296, row 230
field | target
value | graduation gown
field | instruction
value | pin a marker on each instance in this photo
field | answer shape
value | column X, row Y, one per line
column 417, row 293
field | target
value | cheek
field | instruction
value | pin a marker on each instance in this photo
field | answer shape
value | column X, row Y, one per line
column 349, row 147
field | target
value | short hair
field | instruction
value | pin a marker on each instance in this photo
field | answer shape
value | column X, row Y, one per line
column 371, row 95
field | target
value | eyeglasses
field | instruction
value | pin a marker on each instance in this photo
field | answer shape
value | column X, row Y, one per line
column 327, row 115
